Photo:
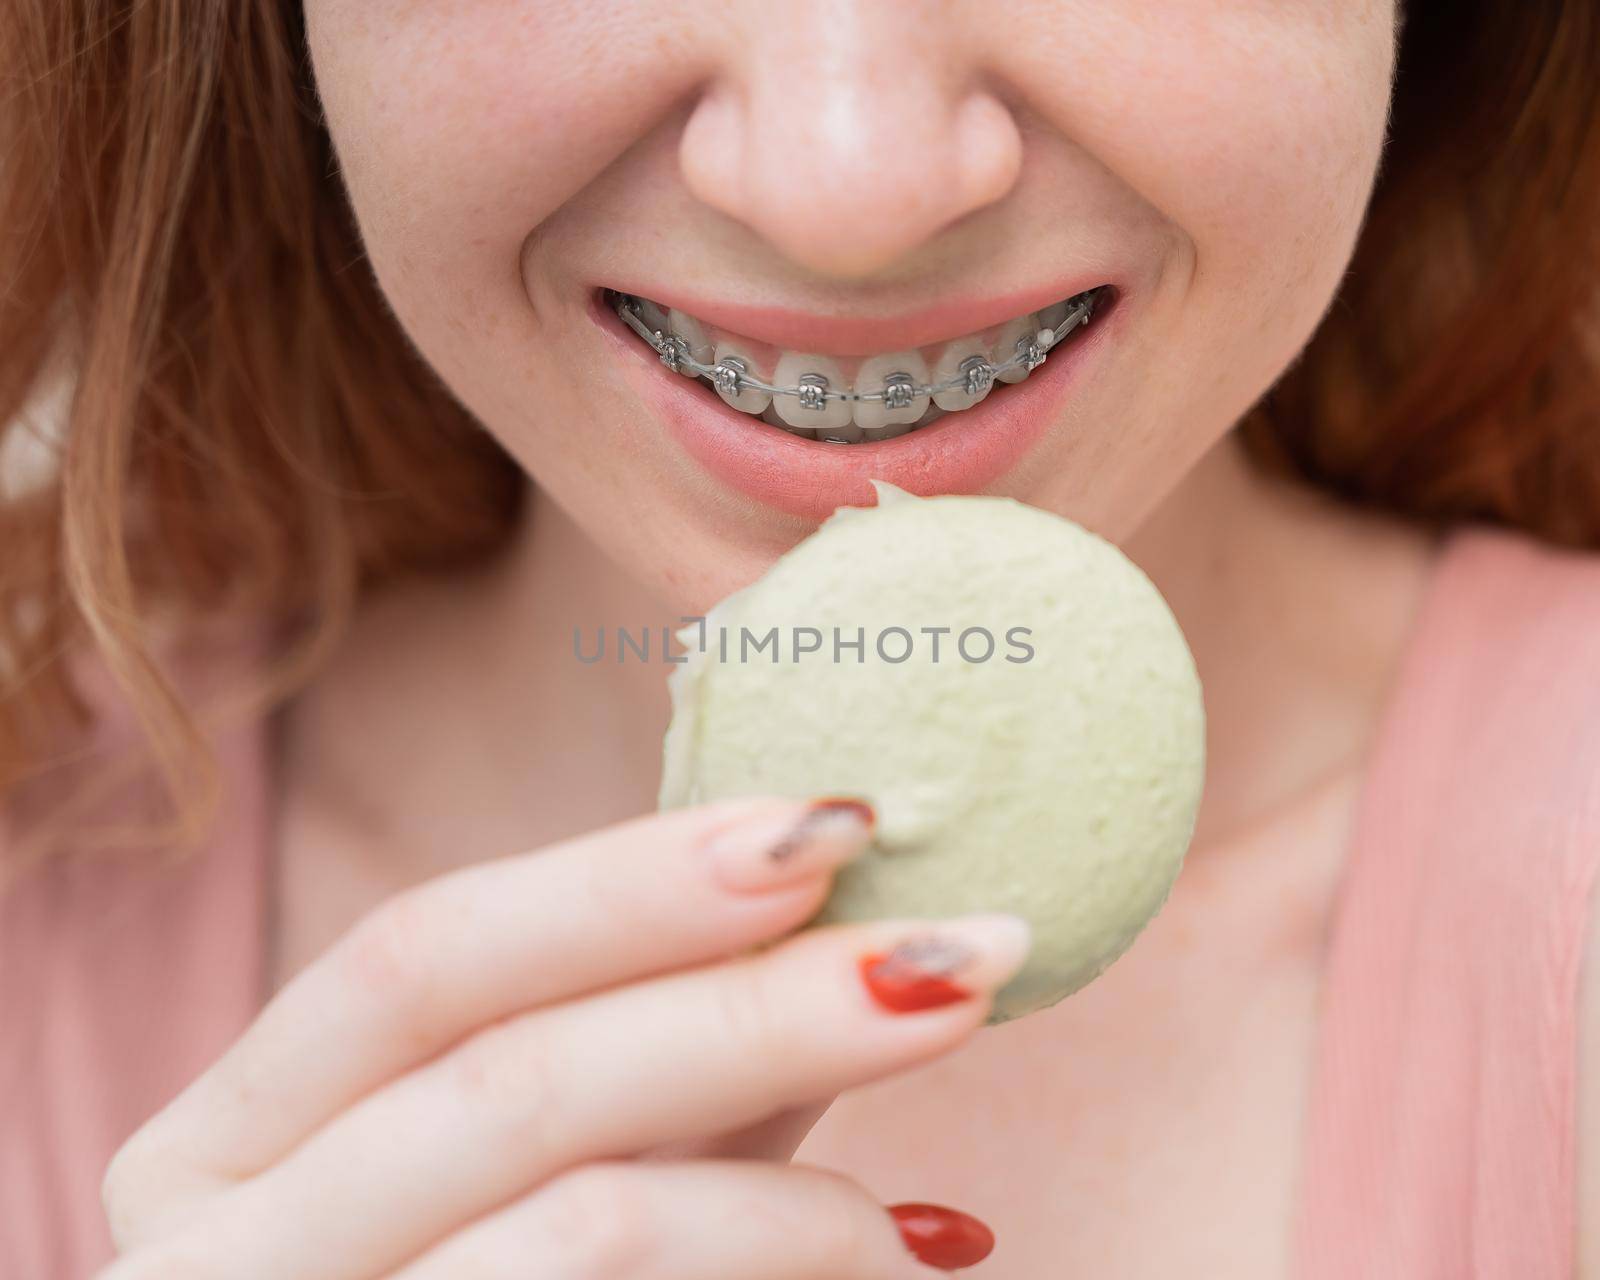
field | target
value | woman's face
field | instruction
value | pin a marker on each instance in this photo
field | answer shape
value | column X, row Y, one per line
column 852, row 188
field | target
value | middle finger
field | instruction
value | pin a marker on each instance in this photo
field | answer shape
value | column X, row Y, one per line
column 456, row 953
column 644, row 1064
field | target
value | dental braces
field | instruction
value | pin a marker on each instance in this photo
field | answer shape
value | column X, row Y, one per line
column 974, row 375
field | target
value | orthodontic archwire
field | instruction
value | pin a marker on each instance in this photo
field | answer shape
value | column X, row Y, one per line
column 974, row 375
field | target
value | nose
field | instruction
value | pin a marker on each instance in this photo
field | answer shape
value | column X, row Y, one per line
column 846, row 133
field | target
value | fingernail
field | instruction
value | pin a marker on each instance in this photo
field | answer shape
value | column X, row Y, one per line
column 776, row 848
column 941, row 1237
column 946, row 963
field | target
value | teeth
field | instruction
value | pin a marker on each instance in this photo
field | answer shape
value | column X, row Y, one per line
column 749, row 400
column 770, row 416
column 949, row 366
column 833, row 420
column 1005, row 346
column 876, row 418
column 655, row 319
column 932, row 414
column 1053, row 315
column 694, row 337
column 847, row 421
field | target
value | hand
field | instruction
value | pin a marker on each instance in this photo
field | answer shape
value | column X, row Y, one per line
column 463, row 1085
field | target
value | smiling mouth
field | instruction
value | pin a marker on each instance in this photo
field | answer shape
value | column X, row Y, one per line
column 845, row 402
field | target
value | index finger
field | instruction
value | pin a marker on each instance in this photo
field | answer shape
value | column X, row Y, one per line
column 441, row 960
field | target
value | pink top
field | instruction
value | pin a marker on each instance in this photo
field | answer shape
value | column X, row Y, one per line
column 1440, row 1139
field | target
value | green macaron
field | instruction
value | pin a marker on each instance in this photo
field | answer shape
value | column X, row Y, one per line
column 1010, row 692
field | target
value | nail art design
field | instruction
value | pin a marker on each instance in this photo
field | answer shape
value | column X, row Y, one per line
column 917, row 974
column 941, row 1237
column 784, row 845
column 822, row 813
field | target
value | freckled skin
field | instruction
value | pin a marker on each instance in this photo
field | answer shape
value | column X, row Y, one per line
column 503, row 157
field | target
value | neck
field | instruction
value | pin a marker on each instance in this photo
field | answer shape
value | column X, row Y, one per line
column 456, row 723
column 459, row 723
column 1297, row 609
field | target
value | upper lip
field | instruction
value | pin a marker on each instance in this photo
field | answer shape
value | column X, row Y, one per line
column 863, row 335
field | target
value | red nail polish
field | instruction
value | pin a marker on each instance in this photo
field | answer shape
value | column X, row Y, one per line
column 915, row 975
column 943, row 1238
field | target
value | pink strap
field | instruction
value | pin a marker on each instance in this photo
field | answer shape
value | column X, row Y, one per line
column 1441, row 1139
column 119, row 984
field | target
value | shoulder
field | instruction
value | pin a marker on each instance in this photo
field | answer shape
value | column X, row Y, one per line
column 106, row 801
column 1507, row 656
column 1496, row 713
column 1526, row 593
column 1537, row 608
column 1510, row 655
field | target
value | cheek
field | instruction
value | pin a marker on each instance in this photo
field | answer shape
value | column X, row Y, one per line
column 461, row 125
column 1268, row 143
column 1251, row 130
column 1253, row 127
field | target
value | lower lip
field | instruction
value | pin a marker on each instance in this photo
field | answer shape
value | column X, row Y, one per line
column 963, row 452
